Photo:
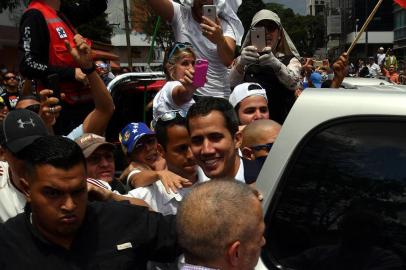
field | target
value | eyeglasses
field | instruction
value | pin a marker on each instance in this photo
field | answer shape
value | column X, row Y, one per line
column 11, row 77
column 259, row 147
column 179, row 46
column 34, row 108
column 168, row 116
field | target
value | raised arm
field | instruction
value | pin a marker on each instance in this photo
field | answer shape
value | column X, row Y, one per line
column 340, row 70
column 170, row 180
column 225, row 45
column 288, row 75
column 97, row 120
column 183, row 93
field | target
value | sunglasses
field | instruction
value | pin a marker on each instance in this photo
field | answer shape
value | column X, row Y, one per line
column 179, row 46
column 259, row 147
column 34, row 108
column 168, row 116
column 11, row 77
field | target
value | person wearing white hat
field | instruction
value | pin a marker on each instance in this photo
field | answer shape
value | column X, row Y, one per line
column 250, row 102
column 380, row 56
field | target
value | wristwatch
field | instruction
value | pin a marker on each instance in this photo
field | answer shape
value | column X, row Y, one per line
column 87, row 71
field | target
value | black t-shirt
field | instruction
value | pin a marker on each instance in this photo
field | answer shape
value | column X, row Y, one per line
column 113, row 236
column 10, row 99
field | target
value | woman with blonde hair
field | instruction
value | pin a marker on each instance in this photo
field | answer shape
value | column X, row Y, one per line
column 177, row 93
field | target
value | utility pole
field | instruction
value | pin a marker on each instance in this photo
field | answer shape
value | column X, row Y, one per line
column 127, row 35
column 366, row 30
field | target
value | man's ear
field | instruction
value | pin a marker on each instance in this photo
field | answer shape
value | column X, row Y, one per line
column 247, row 153
column 238, row 139
column 25, row 186
column 234, row 254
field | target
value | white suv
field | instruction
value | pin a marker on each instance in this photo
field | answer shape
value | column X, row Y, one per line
column 334, row 183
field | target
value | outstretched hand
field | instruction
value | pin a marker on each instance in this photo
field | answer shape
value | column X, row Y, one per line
column 49, row 107
column 81, row 53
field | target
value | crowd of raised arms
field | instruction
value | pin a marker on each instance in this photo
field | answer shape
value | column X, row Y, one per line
column 187, row 197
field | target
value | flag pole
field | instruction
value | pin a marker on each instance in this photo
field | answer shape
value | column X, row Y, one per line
column 364, row 26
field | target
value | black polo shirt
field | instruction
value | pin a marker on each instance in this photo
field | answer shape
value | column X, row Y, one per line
column 112, row 236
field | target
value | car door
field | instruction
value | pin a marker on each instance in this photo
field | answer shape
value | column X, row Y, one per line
column 341, row 200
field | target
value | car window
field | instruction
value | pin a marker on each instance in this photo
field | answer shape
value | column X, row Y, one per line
column 341, row 204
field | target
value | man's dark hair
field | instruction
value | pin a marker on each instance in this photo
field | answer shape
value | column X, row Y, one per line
column 30, row 97
column 206, row 105
column 57, row 151
column 161, row 128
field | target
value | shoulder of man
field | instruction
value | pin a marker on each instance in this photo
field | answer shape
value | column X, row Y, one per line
column 251, row 170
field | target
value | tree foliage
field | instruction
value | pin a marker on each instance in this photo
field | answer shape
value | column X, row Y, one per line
column 149, row 23
column 247, row 10
column 97, row 29
column 9, row 4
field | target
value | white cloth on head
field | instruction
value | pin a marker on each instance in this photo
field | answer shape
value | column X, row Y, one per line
column 187, row 29
column 163, row 101
column 285, row 45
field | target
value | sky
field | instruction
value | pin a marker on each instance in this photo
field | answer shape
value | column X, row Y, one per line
column 298, row 6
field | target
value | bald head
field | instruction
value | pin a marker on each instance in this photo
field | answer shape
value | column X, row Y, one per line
column 213, row 215
column 260, row 132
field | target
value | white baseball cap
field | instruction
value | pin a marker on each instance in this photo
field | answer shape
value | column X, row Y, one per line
column 245, row 90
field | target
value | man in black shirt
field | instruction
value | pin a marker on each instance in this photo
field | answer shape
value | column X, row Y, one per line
column 11, row 93
column 61, row 230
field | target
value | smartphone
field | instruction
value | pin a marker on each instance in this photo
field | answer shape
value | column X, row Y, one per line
column 53, row 84
column 258, row 38
column 317, row 63
column 209, row 11
column 199, row 77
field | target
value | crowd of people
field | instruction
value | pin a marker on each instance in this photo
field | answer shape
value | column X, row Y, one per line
column 383, row 65
column 62, row 202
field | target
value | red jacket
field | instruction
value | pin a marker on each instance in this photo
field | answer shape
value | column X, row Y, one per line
column 59, row 31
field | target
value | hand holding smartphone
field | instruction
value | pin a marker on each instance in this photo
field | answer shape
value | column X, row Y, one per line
column 210, row 12
column 258, row 38
column 199, row 77
column 53, row 84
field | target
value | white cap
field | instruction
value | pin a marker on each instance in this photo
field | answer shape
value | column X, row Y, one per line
column 244, row 90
